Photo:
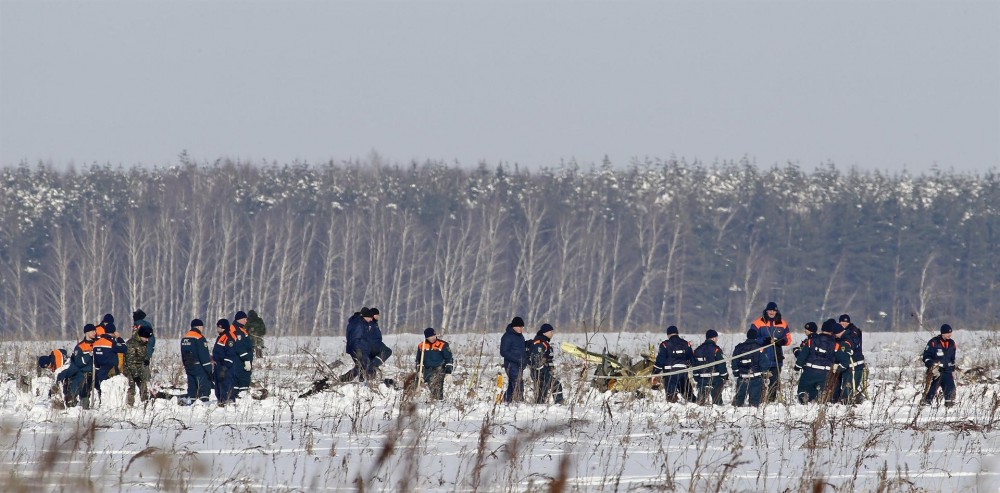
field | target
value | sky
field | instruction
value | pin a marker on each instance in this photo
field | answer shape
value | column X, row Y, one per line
column 886, row 85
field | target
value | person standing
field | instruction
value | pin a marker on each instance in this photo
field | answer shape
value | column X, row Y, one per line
column 811, row 330
column 137, row 364
column 197, row 364
column 434, row 361
column 859, row 370
column 675, row 356
column 79, row 375
column 939, row 358
column 748, row 368
column 224, row 357
column 379, row 353
column 710, row 379
column 512, row 349
column 139, row 321
column 541, row 361
column 772, row 335
column 243, row 364
column 816, row 358
column 107, row 347
column 257, row 329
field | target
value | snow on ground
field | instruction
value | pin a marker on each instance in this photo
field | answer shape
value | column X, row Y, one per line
column 357, row 437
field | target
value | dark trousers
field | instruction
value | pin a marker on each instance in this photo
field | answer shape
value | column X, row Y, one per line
column 546, row 385
column 241, row 379
column 434, row 379
column 945, row 382
column 844, row 391
column 710, row 390
column 751, row 388
column 811, row 384
column 678, row 386
column 224, row 384
column 773, row 383
column 78, row 387
column 199, row 385
column 515, row 387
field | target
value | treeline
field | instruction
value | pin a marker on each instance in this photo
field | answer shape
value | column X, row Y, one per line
column 599, row 248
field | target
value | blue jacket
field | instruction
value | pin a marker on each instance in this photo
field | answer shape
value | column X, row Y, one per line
column 512, row 347
column 747, row 364
column 852, row 334
column 81, row 361
column 706, row 353
column 772, row 335
column 194, row 352
column 373, row 336
column 224, row 351
column 941, row 351
column 244, row 344
column 823, row 352
column 675, row 353
column 357, row 342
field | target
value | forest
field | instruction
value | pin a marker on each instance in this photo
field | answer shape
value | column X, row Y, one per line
column 594, row 248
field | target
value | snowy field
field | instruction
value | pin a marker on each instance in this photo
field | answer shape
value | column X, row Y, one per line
column 358, row 438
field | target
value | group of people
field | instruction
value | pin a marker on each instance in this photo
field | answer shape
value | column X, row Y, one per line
column 102, row 354
column 831, row 361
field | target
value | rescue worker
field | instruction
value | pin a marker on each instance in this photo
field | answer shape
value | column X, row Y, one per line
column 52, row 361
column 378, row 353
column 772, row 335
column 79, row 375
column 224, row 357
column 939, row 358
column 434, row 361
column 109, row 353
column 137, row 364
column 197, row 364
column 816, row 359
column 107, row 320
column 811, row 330
column 843, row 391
column 674, row 357
column 243, row 364
column 748, row 368
column 541, row 361
column 859, row 370
column 257, row 329
column 512, row 349
column 712, row 378
column 357, row 345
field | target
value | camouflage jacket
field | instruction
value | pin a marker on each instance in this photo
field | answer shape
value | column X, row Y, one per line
column 135, row 357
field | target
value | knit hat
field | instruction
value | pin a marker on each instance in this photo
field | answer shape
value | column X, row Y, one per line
column 197, row 323
column 44, row 361
column 752, row 333
column 844, row 318
column 771, row 306
column 222, row 323
column 428, row 332
column 145, row 331
column 811, row 327
column 517, row 322
column 366, row 312
column 830, row 326
column 545, row 328
column 138, row 315
column 108, row 319
column 240, row 315
column 672, row 330
column 374, row 311
column 711, row 334
column 946, row 329
column 109, row 328
column 89, row 328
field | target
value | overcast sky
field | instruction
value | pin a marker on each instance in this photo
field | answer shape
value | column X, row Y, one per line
column 877, row 85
